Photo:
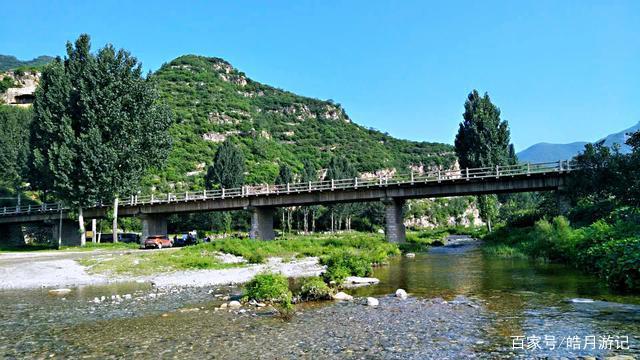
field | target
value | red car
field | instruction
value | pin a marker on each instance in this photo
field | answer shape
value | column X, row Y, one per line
column 157, row 242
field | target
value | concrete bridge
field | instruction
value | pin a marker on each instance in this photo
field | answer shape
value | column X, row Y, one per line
column 262, row 200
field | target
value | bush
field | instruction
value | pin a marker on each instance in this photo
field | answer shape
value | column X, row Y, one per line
column 341, row 264
column 268, row 287
column 618, row 261
column 286, row 309
column 314, row 289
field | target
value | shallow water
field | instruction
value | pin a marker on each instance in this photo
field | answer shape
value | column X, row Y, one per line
column 513, row 298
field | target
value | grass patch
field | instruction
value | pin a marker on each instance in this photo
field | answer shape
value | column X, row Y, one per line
column 296, row 246
column 102, row 246
column 153, row 261
column 504, row 251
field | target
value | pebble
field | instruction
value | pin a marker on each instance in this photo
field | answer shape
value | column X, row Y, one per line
column 400, row 293
column 223, row 306
column 234, row 304
column 372, row 301
column 59, row 292
column 342, row 296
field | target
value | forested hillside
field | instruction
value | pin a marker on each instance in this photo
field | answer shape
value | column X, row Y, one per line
column 8, row 62
column 213, row 101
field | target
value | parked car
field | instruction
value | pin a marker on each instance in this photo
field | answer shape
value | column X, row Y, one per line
column 185, row 240
column 122, row 237
column 157, row 242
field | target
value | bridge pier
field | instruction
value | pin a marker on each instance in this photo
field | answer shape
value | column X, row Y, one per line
column 153, row 224
column 262, row 223
column 11, row 234
column 70, row 233
column 394, row 216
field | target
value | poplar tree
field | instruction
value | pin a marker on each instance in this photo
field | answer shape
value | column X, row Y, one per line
column 228, row 167
column 483, row 141
column 14, row 145
column 97, row 126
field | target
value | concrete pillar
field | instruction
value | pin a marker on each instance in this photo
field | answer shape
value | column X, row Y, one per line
column 70, row 233
column 11, row 234
column 394, row 216
column 262, row 223
column 153, row 224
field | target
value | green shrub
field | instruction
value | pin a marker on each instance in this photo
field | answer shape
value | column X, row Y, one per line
column 341, row 264
column 314, row 289
column 618, row 261
column 268, row 287
column 286, row 309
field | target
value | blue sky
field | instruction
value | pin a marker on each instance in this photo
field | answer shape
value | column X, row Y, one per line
column 560, row 71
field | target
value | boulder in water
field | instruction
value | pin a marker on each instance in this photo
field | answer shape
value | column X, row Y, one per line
column 372, row 301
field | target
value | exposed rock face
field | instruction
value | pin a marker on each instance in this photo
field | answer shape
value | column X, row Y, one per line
column 470, row 217
column 214, row 137
column 23, row 94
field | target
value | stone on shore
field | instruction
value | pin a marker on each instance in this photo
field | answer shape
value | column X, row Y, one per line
column 342, row 296
column 400, row 293
column 234, row 304
column 59, row 292
column 372, row 301
column 355, row 281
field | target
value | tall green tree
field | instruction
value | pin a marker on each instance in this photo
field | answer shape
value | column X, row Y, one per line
column 14, row 145
column 285, row 174
column 98, row 125
column 228, row 167
column 483, row 141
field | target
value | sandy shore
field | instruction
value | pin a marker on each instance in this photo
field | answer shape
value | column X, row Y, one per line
column 60, row 269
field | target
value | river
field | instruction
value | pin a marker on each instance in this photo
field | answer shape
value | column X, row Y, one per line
column 462, row 304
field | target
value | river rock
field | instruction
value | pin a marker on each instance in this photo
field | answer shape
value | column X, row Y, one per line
column 59, row 292
column 410, row 255
column 342, row 296
column 372, row 301
column 351, row 281
column 580, row 300
column 234, row 304
column 620, row 357
column 400, row 293
column 223, row 306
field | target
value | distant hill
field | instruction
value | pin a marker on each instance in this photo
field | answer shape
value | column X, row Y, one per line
column 543, row 152
column 9, row 62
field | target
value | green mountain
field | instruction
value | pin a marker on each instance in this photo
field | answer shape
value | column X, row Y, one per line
column 213, row 101
column 8, row 62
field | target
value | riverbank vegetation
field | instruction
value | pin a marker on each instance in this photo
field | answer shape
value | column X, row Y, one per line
column 593, row 225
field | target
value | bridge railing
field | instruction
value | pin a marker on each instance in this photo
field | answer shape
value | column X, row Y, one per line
column 394, row 178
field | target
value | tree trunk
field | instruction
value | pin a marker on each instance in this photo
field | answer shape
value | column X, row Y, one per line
column 289, row 219
column 489, row 225
column 83, row 234
column 332, row 222
column 93, row 231
column 284, row 228
column 313, row 220
column 115, row 220
column 305, row 216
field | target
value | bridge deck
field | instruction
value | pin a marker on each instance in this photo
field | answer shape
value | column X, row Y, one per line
column 501, row 179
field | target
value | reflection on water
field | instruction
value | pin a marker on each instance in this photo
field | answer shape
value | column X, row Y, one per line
column 527, row 298
column 521, row 298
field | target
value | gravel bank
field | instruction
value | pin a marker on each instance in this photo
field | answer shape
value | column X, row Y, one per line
column 27, row 271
